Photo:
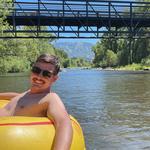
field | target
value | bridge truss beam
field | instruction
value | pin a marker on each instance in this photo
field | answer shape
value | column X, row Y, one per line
column 78, row 19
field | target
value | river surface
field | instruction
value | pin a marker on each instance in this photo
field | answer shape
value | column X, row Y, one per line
column 112, row 107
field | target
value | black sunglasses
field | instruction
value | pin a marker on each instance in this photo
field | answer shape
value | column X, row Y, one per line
column 45, row 73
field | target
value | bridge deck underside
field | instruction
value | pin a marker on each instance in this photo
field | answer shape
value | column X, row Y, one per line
column 82, row 21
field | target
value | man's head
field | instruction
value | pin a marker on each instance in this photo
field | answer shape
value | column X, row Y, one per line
column 44, row 72
column 50, row 59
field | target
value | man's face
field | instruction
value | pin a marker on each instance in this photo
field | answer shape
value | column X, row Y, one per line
column 42, row 77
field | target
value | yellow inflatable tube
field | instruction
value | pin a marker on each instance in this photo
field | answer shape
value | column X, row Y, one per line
column 33, row 133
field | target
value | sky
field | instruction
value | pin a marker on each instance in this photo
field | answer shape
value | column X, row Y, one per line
column 93, row 41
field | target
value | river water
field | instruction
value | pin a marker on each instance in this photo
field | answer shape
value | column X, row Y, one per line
column 113, row 107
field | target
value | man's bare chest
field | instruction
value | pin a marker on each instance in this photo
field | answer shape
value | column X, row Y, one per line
column 33, row 110
column 30, row 106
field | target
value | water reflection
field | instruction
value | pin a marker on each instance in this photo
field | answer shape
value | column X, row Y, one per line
column 18, row 82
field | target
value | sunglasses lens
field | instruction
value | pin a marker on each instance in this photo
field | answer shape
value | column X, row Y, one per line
column 36, row 70
column 47, row 74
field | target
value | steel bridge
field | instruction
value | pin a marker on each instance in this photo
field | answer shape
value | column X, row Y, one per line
column 78, row 19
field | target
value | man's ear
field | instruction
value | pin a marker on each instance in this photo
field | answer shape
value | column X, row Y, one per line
column 55, row 78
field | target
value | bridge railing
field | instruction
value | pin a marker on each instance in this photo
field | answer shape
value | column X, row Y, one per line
column 87, row 8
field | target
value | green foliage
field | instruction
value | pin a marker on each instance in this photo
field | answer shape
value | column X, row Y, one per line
column 5, row 5
column 146, row 61
column 18, row 54
column 109, row 53
column 76, row 62
column 103, row 56
column 111, row 58
column 132, row 67
column 13, row 64
column 99, row 54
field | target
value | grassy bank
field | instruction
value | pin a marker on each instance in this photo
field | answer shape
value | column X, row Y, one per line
column 134, row 67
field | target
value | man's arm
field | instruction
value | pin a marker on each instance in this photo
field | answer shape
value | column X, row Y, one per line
column 64, row 131
column 8, row 95
column 9, row 108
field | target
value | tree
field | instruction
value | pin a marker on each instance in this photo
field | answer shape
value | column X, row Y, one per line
column 111, row 58
column 5, row 6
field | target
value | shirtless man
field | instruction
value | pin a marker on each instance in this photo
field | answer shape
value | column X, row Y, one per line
column 39, row 101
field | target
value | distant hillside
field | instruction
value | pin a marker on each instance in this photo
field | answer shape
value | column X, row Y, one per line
column 76, row 49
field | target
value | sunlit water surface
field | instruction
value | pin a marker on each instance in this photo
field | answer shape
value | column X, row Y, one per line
column 112, row 107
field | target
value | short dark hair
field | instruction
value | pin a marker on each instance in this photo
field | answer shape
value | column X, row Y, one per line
column 47, row 58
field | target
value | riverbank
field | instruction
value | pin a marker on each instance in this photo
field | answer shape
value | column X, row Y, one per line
column 132, row 67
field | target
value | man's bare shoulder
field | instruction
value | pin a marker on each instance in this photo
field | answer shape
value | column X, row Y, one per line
column 52, row 96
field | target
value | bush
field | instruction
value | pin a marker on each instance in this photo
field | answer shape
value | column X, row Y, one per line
column 13, row 64
column 132, row 67
column 146, row 61
column 111, row 58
